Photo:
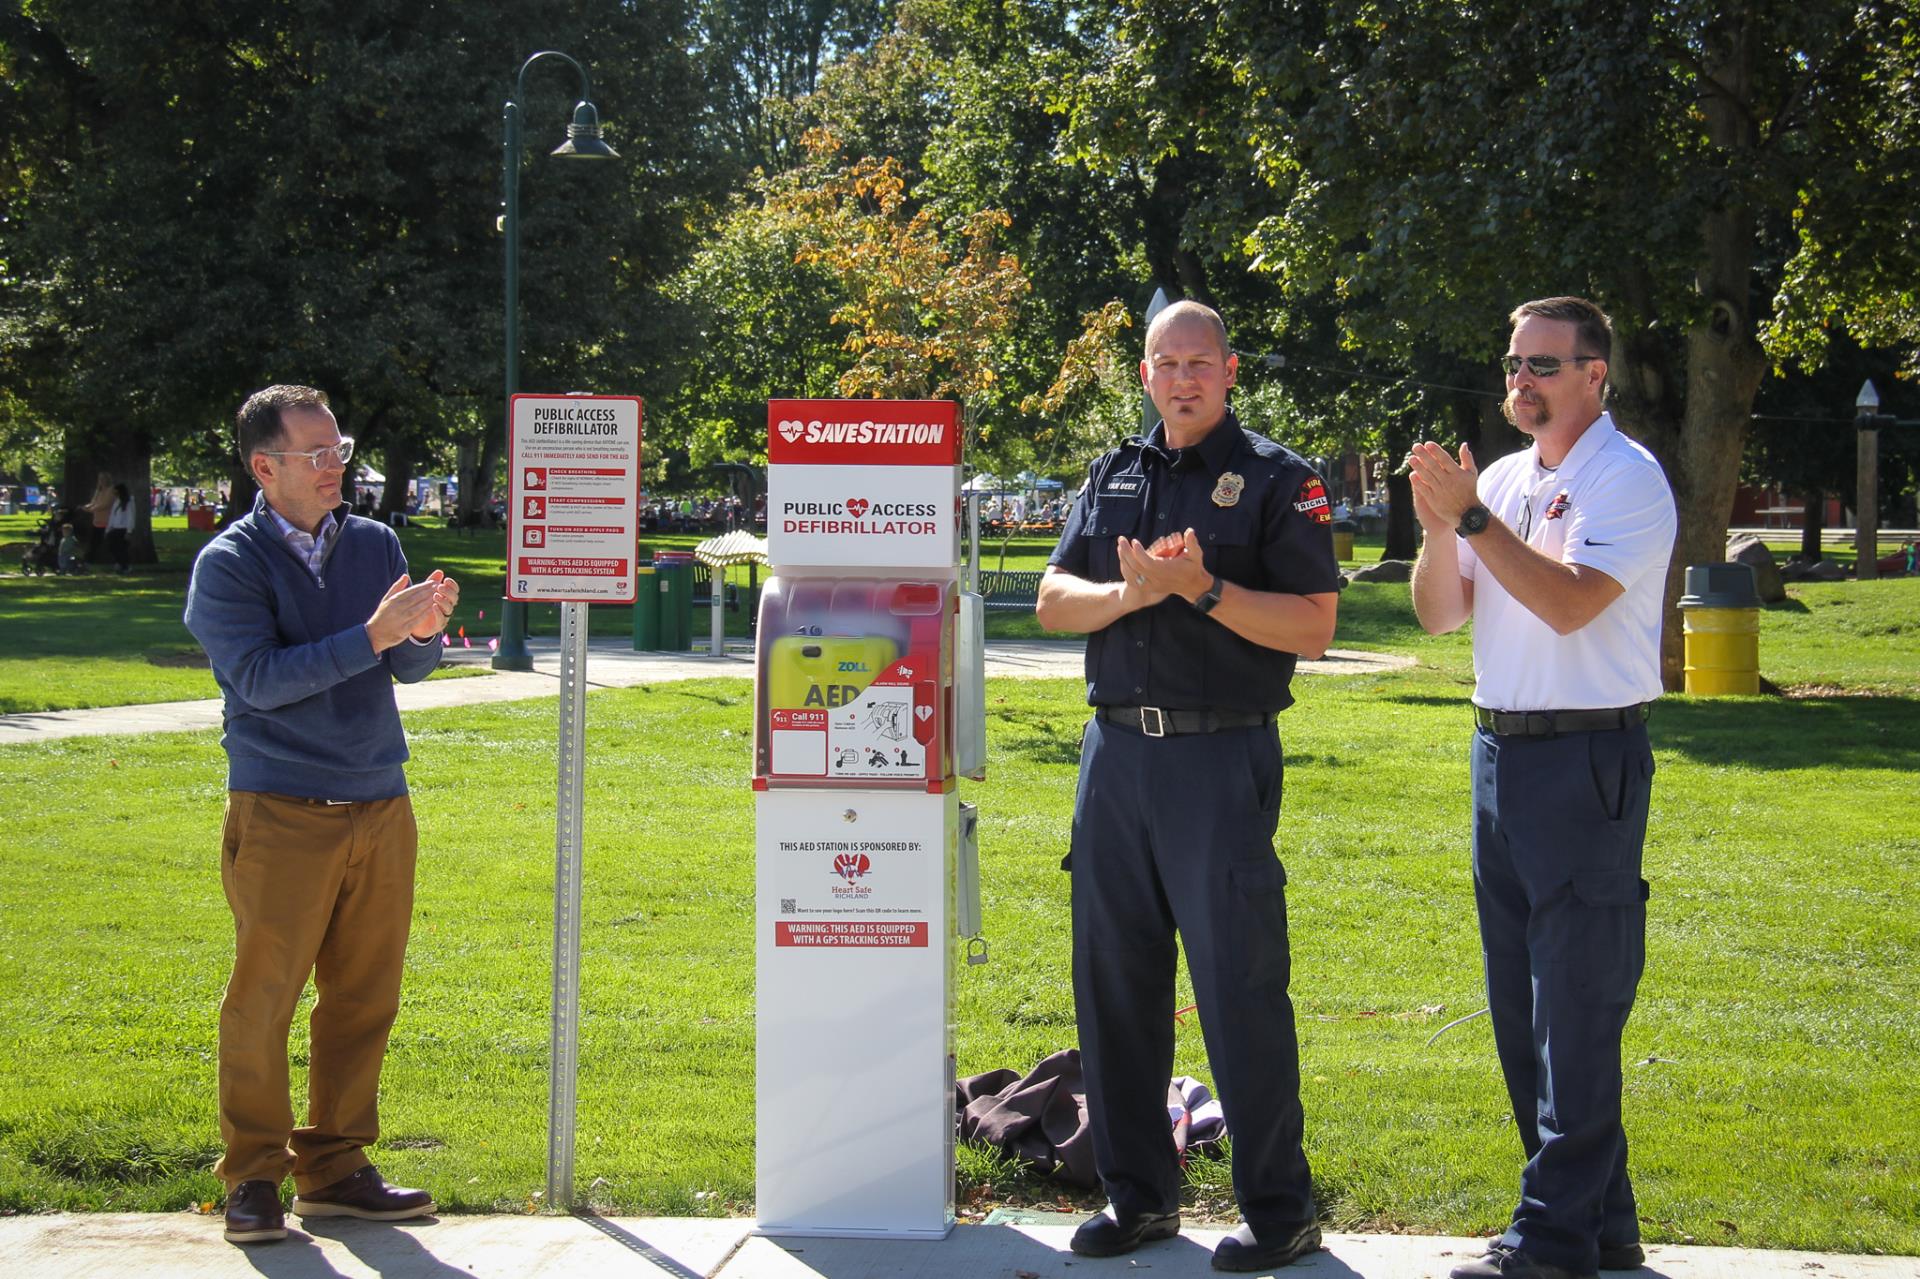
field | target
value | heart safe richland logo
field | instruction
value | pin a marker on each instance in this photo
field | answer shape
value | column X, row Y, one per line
column 791, row 430
column 856, row 507
column 851, row 866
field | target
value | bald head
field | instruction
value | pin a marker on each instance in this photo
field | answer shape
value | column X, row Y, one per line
column 1183, row 314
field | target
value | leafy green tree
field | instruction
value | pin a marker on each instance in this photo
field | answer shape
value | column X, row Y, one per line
column 281, row 192
column 1422, row 168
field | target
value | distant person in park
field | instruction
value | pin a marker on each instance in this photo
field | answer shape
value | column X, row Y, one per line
column 1198, row 562
column 72, row 558
column 309, row 614
column 1559, row 555
column 120, row 529
column 99, row 511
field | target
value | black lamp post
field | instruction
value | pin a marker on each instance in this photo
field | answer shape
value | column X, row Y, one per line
column 583, row 143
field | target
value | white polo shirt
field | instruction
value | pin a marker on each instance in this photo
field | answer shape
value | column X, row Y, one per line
column 1606, row 506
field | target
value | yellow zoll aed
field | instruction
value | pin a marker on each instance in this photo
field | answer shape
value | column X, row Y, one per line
column 818, row 672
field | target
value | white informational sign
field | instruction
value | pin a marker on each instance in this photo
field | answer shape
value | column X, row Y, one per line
column 863, row 483
column 854, row 951
column 573, row 510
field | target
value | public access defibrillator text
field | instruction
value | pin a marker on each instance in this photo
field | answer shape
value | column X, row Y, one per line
column 573, row 510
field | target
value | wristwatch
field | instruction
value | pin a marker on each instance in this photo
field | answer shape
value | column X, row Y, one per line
column 1209, row 597
column 1474, row 520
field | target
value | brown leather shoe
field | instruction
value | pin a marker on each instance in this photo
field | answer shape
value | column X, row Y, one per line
column 365, row 1195
column 254, row 1214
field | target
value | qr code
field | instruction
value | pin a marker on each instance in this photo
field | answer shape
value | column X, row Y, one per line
column 789, row 906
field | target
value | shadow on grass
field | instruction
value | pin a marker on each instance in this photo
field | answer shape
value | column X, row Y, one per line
column 1837, row 732
column 1772, row 732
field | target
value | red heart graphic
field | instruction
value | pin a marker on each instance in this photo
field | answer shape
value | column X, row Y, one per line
column 856, row 506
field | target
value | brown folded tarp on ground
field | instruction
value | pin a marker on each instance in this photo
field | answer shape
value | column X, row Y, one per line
column 1041, row 1117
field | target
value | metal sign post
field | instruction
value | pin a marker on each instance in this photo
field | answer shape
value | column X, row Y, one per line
column 565, row 1050
column 574, row 517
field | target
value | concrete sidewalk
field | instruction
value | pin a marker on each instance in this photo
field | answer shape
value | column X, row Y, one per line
column 161, row 1246
column 611, row 663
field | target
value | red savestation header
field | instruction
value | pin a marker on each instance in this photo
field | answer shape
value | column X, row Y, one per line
column 864, row 432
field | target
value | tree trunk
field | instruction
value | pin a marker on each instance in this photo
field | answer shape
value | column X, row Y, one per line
column 1697, row 424
column 1174, row 266
column 398, row 464
column 241, row 490
column 1813, row 522
column 493, row 444
column 1402, row 534
column 466, row 469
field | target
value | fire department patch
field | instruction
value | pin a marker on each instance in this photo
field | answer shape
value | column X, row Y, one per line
column 1227, row 492
column 1559, row 505
column 1311, row 501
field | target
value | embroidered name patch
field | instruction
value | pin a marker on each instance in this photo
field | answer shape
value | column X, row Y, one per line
column 1311, row 501
column 1123, row 486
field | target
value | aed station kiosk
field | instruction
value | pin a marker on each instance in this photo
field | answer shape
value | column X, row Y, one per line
column 870, row 704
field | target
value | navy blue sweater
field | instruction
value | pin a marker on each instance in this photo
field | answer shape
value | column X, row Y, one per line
column 309, row 704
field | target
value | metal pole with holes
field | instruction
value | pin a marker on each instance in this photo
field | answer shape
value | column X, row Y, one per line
column 565, row 1054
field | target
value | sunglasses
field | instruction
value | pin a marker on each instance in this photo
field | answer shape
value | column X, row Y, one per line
column 322, row 458
column 1540, row 365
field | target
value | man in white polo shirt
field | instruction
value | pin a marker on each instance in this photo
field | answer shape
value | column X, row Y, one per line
column 1559, row 554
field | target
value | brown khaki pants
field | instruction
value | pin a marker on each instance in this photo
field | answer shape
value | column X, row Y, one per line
column 320, row 889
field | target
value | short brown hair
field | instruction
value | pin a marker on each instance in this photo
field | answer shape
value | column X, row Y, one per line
column 258, row 424
column 1593, row 331
column 1188, row 309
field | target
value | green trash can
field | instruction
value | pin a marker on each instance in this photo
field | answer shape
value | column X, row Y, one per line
column 673, row 570
column 646, row 608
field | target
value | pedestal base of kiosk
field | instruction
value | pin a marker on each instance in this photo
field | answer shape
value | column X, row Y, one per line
column 855, row 953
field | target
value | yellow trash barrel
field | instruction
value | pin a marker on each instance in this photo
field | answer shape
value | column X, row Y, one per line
column 1343, row 540
column 1721, row 615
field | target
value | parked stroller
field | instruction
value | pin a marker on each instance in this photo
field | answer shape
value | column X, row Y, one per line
column 43, row 553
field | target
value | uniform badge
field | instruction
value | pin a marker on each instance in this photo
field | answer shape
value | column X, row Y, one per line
column 1227, row 492
column 1558, row 506
column 1311, row 501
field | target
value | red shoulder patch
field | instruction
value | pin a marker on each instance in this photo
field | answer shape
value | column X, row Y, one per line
column 1311, row 501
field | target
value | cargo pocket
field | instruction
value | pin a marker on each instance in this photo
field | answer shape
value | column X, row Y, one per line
column 1258, row 910
column 1596, row 938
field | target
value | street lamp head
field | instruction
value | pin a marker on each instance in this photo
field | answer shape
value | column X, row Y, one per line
column 583, row 136
column 1868, row 401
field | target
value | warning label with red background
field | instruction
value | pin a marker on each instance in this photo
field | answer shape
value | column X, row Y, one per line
column 861, row 933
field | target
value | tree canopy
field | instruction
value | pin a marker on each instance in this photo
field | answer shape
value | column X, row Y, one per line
column 195, row 203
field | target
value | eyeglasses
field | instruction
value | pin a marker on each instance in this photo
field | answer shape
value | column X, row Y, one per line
column 1540, row 365
column 321, row 458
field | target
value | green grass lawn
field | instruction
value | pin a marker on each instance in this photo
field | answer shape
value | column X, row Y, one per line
column 1769, row 1084
column 104, row 640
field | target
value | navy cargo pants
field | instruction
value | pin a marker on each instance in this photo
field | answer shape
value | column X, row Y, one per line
column 1558, row 826
column 1176, row 833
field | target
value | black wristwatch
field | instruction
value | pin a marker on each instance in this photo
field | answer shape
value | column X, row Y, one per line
column 1209, row 597
column 1474, row 520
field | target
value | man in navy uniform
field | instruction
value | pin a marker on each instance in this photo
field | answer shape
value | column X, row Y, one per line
column 1559, row 554
column 1198, row 562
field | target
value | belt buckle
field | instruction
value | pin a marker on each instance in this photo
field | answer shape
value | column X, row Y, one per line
column 337, row 803
column 1159, row 728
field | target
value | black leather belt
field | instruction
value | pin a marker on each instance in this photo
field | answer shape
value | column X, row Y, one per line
column 1158, row 721
column 1547, row 723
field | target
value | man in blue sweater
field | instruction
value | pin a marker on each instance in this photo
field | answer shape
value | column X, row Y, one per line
column 308, row 615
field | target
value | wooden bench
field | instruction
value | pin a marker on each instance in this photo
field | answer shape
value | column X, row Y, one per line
column 1011, row 589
